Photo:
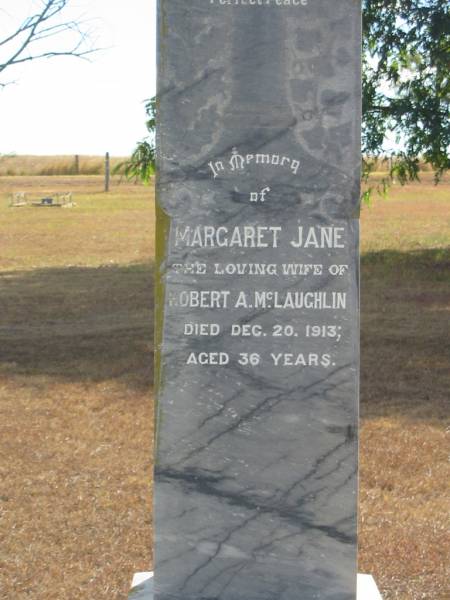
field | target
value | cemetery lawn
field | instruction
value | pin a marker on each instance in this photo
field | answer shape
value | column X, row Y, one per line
column 76, row 390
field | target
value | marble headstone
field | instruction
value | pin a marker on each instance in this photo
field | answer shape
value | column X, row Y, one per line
column 257, row 299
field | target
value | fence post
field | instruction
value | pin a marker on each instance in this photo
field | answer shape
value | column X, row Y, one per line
column 107, row 172
column 77, row 164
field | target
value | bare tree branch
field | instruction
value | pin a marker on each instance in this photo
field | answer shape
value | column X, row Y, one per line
column 30, row 39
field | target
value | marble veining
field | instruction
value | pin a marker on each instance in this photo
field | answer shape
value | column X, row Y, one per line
column 256, row 471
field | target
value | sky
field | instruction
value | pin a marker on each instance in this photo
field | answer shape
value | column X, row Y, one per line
column 65, row 105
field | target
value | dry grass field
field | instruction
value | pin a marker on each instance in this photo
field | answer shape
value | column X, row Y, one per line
column 76, row 395
column 12, row 165
column 405, row 393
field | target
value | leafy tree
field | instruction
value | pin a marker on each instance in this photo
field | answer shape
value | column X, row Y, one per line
column 406, row 84
column 33, row 38
column 406, row 90
column 141, row 164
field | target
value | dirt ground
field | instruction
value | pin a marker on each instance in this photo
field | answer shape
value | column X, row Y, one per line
column 76, row 391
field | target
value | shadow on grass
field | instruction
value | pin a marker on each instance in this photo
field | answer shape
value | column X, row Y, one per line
column 405, row 346
column 96, row 324
column 79, row 324
column 431, row 263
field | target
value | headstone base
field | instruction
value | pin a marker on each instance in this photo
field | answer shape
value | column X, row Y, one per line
column 142, row 587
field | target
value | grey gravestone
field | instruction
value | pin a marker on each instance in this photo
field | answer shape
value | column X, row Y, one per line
column 257, row 365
